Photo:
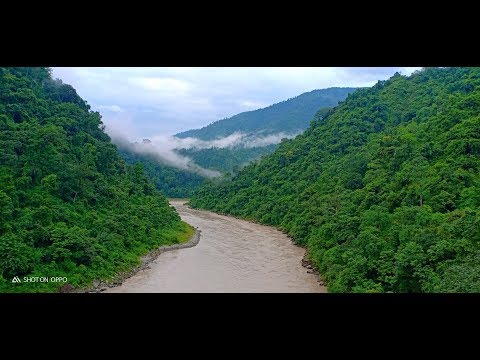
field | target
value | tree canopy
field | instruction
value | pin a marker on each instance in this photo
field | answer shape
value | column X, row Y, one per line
column 69, row 205
column 383, row 190
column 170, row 181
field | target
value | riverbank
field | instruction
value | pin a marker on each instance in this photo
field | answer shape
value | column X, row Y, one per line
column 100, row 286
column 235, row 256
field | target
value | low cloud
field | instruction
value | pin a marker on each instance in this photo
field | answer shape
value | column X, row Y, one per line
column 236, row 139
column 164, row 147
column 164, row 152
column 252, row 104
column 258, row 141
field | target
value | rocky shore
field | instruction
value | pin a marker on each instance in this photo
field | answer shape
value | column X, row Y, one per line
column 307, row 264
column 100, row 286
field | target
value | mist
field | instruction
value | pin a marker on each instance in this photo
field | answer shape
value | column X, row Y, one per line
column 165, row 153
column 260, row 141
column 164, row 147
column 237, row 139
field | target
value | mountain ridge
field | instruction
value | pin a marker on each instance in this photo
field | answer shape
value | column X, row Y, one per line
column 301, row 110
column 278, row 117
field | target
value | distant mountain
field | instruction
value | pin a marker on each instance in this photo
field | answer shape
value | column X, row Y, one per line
column 287, row 117
column 290, row 116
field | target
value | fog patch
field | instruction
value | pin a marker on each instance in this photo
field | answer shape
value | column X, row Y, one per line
column 165, row 148
column 237, row 139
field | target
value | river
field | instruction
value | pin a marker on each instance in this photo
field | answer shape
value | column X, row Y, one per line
column 233, row 255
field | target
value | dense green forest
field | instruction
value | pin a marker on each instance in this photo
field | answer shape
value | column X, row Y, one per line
column 290, row 116
column 384, row 190
column 171, row 181
column 69, row 204
column 179, row 183
column 227, row 160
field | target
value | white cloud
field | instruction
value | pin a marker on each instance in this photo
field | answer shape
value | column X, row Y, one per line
column 163, row 147
column 408, row 70
column 112, row 108
column 236, row 139
column 253, row 104
column 184, row 98
column 168, row 85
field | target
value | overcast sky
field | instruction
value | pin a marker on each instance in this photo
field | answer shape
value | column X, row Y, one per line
column 144, row 102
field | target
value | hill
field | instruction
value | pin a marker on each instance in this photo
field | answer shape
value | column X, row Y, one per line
column 384, row 191
column 226, row 159
column 69, row 205
column 290, row 116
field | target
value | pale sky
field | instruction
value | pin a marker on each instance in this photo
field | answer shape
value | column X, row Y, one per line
column 141, row 102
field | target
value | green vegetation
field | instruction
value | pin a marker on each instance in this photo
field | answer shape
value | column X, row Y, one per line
column 290, row 116
column 384, row 190
column 186, row 235
column 172, row 182
column 226, row 159
column 69, row 205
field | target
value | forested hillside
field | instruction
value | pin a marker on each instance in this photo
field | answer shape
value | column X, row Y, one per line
column 227, row 160
column 69, row 205
column 384, row 190
column 289, row 116
column 171, row 181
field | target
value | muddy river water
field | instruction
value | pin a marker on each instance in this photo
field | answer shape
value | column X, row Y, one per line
column 232, row 256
